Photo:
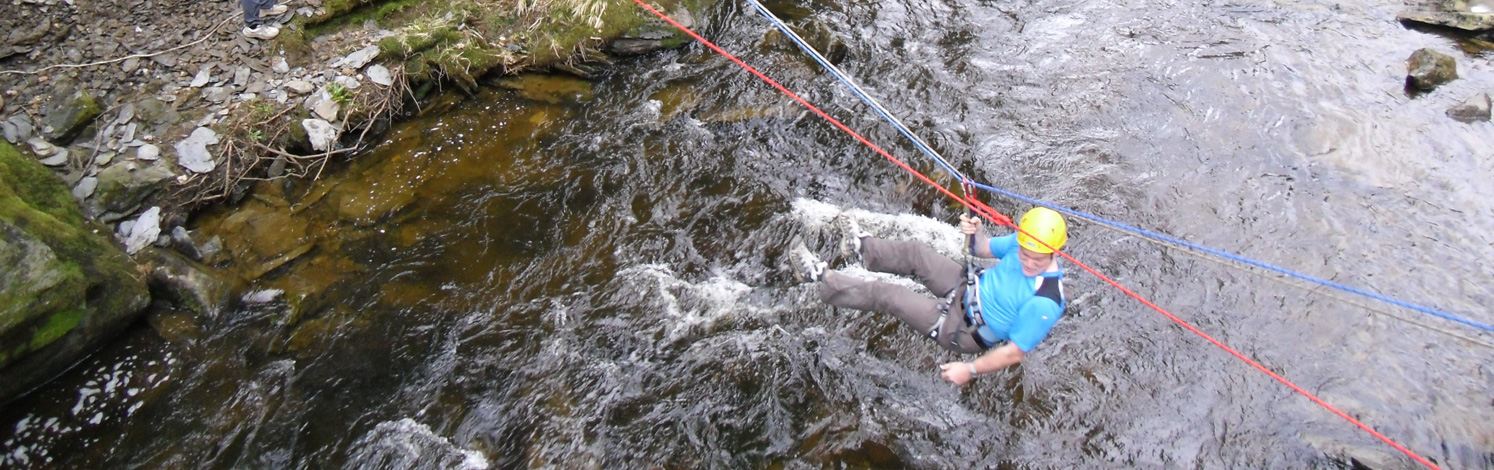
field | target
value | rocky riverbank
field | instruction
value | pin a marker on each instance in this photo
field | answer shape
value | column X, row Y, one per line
column 149, row 110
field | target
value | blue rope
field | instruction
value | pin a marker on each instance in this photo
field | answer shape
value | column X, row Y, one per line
column 1233, row 257
column 923, row 147
column 917, row 142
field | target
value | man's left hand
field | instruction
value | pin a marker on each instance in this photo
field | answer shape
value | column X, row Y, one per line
column 957, row 373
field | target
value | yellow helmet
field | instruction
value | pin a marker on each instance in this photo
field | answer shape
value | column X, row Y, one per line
column 1047, row 226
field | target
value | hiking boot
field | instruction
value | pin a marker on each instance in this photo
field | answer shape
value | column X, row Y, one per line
column 806, row 266
column 850, row 239
column 276, row 10
column 262, row 32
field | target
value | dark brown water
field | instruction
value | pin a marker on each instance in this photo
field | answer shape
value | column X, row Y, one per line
column 599, row 282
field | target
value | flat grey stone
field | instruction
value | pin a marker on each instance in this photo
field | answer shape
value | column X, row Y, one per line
column 299, row 87
column 241, row 77
column 104, row 158
column 10, row 132
column 144, row 231
column 321, row 133
column 85, row 187
column 148, row 152
column 358, row 59
column 126, row 114
column 192, row 152
column 379, row 74
column 347, row 82
column 56, row 160
column 23, row 126
column 327, row 109
column 41, row 147
column 204, row 75
column 129, row 132
column 217, row 94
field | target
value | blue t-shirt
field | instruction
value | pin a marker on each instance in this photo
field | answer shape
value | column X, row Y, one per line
column 1008, row 302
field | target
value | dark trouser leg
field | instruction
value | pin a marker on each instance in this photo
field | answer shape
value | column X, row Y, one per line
column 907, row 258
column 251, row 10
column 917, row 310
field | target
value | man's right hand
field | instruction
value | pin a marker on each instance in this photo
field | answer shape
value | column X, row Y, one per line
column 969, row 226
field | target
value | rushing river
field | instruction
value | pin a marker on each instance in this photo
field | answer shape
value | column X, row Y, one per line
column 599, row 280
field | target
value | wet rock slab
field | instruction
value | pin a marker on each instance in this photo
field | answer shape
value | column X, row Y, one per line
column 1471, row 16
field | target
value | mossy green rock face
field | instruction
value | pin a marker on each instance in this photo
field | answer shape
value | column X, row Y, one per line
column 65, row 290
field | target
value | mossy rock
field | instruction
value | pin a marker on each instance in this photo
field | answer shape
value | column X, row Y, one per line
column 66, row 289
column 65, row 120
column 123, row 187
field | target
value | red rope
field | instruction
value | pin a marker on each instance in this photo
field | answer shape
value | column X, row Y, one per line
column 991, row 214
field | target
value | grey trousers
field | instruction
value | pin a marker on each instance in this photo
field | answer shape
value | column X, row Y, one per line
column 251, row 10
column 937, row 272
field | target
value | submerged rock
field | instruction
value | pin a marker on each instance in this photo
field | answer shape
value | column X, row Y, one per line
column 553, row 89
column 189, row 285
column 1426, row 69
column 1475, row 109
column 653, row 35
column 68, row 289
column 257, row 234
column 817, row 35
column 262, row 296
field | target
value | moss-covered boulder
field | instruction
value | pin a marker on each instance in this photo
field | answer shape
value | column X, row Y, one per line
column 68, row 116
column 66, row 289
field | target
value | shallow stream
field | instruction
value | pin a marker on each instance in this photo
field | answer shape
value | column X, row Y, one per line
column 594, row 275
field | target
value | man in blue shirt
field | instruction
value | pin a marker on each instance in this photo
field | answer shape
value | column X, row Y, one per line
column 1009, row 310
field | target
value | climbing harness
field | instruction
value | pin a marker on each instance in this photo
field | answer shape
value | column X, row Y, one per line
column 986, row 211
